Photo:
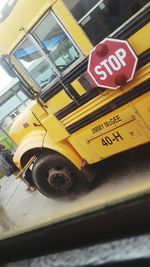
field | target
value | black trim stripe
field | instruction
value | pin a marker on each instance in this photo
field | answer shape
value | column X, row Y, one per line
column 81, row 101
column 113, row 105
column 71, row 76
column 132, row 27
column 71, row 92
column 144, row 58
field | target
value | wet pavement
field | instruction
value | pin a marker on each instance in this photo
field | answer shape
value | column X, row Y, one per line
column 127, row 177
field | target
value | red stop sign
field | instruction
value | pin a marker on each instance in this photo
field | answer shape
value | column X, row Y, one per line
column 112, row 63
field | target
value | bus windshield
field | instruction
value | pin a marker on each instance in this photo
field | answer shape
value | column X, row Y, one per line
column 46, row 52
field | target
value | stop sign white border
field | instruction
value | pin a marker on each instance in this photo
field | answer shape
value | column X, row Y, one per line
column 118, row 41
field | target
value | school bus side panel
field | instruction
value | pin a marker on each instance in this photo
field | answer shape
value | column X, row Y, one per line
column 142, row 106
column 112, row 134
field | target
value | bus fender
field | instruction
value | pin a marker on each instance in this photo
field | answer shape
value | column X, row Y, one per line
column 31, row 142
column 65, row 149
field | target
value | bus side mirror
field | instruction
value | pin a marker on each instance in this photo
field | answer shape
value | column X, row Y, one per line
column 6, row 66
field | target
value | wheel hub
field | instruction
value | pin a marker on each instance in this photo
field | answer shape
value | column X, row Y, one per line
column 60, row 179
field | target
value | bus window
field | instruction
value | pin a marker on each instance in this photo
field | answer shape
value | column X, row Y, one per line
column 99, row 18
column 56, row 43
column 31, row 58
column 46, row 52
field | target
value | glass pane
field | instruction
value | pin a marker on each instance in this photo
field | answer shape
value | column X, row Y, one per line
column 106, row 17
column 32, row 60
column 56, row 43
column 80, row 7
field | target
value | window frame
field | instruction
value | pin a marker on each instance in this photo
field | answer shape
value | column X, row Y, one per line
column 89, row 12
column 117, row 29
column 31, row 36
column 47, row 59
column 81, row 55
column 37, row 88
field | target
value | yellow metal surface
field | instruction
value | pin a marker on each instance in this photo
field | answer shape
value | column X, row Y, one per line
column 78, row 87
column 142, row 106
column 39, row 139
column 29, row 131
column 143, row 74
column 23, row 125
column 59, row 101
column 140, row 41
column 38, row 127
column 116, row 132
column 30, row 141
column 72, row 27
column 65, row 149
column 105, row 97
column 24, row 15
column 90, row 107
column 55, row 128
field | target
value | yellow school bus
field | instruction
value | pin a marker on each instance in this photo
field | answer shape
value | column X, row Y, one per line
column 72, row 122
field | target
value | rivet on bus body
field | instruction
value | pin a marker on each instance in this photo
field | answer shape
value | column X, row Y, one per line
column 102, row 50
column 121, row 79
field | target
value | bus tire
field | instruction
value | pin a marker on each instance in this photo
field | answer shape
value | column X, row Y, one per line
column 57, row 178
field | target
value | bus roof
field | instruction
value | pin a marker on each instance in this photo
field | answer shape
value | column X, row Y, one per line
column 19, row 20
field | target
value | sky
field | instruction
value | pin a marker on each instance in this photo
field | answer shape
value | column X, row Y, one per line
column 2, row 3
column 4, row 78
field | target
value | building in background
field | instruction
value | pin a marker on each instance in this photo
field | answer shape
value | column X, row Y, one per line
column 12, row 103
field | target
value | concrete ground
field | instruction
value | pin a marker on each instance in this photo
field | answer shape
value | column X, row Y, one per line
column 118, row 179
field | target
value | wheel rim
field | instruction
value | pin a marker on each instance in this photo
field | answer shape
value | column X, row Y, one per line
column 59, row 178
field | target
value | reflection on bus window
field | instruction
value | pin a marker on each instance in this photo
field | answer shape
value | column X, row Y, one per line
column 100, row 18
column 56, row 43
column 46, row 52
column 33, row 61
